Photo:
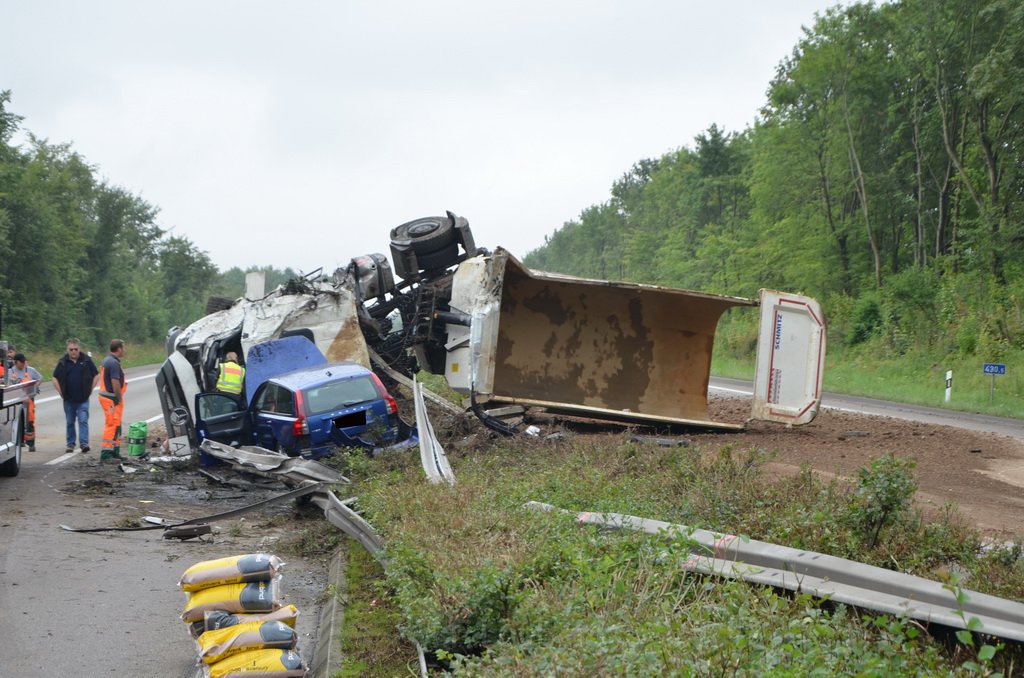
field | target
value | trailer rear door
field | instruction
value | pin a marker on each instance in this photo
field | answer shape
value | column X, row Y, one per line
column 790, row 359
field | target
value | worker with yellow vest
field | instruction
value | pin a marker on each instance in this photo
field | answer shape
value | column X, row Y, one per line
column 112, row 387
column 231, row 375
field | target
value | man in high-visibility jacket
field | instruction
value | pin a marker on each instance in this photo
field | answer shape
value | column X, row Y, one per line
column 112, row 388
column 231, row 375
column 22, row 371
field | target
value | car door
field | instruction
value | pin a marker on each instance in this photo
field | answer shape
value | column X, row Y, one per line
column 273, row 416
column 223, row 418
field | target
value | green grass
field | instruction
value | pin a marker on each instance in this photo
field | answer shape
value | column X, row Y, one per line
column 500, row 590
column 370, row 645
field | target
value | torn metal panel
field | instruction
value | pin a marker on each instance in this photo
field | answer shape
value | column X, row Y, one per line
column 822, row 575
column 432, row 454
column 597, row 348
column 260, row 459
column 327, row 312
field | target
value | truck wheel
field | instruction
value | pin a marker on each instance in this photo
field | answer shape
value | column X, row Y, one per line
column 214, row 304
column 443, row 258
column 425, row 235
column 12, row 466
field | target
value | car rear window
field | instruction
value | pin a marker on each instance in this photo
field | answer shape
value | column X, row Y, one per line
column 338, row 395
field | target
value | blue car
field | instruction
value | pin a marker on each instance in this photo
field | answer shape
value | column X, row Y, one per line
column 307, row 411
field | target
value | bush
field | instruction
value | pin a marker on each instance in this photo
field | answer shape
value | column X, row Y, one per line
column 866, row 322
column 886, row 490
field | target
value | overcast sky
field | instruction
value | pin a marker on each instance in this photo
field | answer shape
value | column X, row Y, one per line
column 299, row 133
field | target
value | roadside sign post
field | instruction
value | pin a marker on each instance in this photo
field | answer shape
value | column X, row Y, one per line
column 993, row 369
column 949, row 384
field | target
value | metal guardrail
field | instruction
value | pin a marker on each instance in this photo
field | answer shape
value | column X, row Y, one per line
column 432, row 454
column 825, row 576
column 349, row 522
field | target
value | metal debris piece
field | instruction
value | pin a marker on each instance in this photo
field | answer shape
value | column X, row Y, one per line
column 187, row 531
column 252, row 457
column 662, row 442
column 432, row 455
column 349, row 522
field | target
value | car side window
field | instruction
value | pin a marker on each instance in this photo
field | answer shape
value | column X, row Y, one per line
column 214, row 405
column 285, row 402
column 261, row 401
column 275, row 398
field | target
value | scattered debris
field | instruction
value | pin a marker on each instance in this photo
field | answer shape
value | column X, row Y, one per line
column 661, row 442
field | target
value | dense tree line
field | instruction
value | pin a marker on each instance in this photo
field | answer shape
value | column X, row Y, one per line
column 885, row 176
column 82, row 257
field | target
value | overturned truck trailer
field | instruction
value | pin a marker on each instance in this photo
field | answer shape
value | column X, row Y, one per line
column 619, row 351
column 512, row 339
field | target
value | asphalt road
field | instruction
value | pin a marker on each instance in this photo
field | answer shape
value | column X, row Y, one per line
column 885, row 408
column 106, row 603
column 85, row 604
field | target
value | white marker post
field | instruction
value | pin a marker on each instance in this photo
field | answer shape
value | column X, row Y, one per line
column 949, row 384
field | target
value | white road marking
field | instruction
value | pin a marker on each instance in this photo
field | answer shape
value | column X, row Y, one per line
column 62, row 458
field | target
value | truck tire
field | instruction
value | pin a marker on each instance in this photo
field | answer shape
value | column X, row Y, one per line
column 443, row 258
column 425, row 235
column 214, row 304
column 12, row 466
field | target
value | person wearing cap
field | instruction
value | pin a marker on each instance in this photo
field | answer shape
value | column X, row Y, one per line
column 22, row 371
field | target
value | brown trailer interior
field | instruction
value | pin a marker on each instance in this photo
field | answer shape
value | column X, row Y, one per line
column 619, row 350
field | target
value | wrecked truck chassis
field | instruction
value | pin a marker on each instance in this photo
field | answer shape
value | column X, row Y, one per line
column 510, row 339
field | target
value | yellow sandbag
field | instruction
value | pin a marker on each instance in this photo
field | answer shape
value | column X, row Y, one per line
column 216, row 645
column 230, row 570
column 258, row 664
column 219, row 619
column 255, row 596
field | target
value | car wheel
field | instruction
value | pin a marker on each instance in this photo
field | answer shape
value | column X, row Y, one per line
column 214, row 304
column 425, row 235
column 12, row 466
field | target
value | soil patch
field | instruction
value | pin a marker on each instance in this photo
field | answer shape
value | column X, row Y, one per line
column 981, row 473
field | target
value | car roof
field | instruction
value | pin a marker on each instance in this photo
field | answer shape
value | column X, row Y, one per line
column 314, row 376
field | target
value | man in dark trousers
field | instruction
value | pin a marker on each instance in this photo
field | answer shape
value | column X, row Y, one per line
column 74, row 378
